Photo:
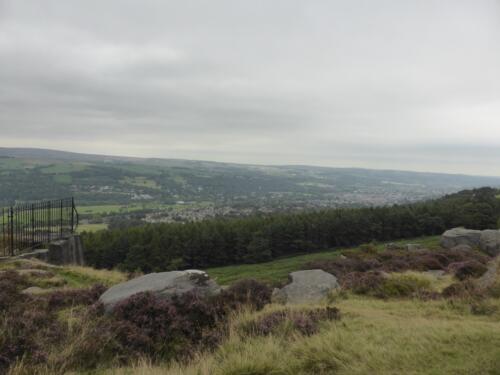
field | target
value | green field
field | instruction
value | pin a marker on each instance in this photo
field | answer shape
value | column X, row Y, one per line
column 91, row 227
column 100, row 209
column 126, row 208
column 142, row 182
column 11, row 164
column 277, row 271
column 63, row 168
column 113, row 208
column 63, row 179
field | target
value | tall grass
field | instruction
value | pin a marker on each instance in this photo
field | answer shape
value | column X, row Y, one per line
column 373, row 337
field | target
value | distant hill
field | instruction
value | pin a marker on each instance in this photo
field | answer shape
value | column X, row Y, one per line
column 29, row 174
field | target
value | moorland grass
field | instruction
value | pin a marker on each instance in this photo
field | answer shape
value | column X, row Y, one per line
column 276, row 271
column 373, row 337
column 81, row 277
column 395, row 335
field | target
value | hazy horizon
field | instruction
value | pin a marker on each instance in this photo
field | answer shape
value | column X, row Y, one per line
column 388, row 85
column 248, row 164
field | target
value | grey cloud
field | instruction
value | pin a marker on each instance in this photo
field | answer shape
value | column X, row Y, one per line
column 406, row 85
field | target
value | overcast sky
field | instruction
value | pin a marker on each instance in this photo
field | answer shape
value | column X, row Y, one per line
column 380, row 84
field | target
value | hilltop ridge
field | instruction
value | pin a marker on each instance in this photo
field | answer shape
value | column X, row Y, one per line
column 116, row 180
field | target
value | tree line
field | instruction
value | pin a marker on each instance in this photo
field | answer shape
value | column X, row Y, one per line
column 160, row 247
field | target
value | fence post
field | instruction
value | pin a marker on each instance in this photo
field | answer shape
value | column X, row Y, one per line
column 49, row 221
column 61, row 220
column 72, row 214
column 4, row 244
column 11, row 230
column 32, row 225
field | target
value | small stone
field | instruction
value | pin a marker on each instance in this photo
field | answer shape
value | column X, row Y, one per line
column 34, row 290
column 413, row 247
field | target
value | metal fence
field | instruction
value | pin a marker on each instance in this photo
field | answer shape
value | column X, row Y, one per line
column 31, row 225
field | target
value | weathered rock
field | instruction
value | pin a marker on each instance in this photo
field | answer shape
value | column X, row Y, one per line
column 163, row 285
column 487, row 240
column 413, row 247
column 460, row 236
column 463, row 248
column 306, row 287
column 34, row 290
column 490, row 242
column 68, row 251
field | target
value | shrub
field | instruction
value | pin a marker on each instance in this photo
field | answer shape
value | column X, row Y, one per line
column 365, row 283
column 400, row 261
column 29, row 325
column 494, row 290
column 466, row 269
column 247, row 292
column 341, row 267
column 26, row 331
column 142, row 326
column 402, row 286
column 305, row 322
column 64, row 298
column 375, row 284
column 11, row 283
column 368, row 248
column 463, row 289
column 426, row 262
column 483, row 307
column 149, row 326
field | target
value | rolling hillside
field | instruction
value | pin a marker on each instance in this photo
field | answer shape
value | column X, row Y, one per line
column 28, row 174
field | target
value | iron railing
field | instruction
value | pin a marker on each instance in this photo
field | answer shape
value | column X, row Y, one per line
column 31, row 225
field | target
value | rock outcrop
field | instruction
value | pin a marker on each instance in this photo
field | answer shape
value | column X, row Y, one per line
column 487, row 240
column 490, row 242
column 460, row 236
column 163, row 285
column 306, row 287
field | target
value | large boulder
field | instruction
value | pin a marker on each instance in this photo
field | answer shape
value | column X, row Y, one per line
column 489, row 242
column 163, row 285
column 460, row 236
column 306, row 287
